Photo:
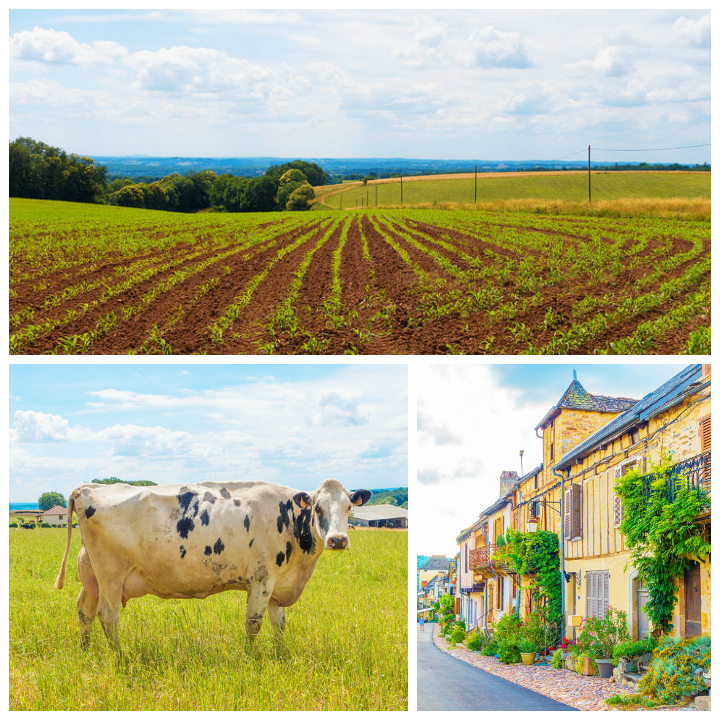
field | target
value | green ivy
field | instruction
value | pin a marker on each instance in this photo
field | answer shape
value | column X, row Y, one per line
column 663, row 535
column 536, row 554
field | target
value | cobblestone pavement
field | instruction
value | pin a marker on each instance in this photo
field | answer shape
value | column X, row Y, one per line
column 565, row 686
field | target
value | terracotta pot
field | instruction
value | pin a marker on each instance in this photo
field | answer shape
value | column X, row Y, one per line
column 528, row 658
column 588, row 668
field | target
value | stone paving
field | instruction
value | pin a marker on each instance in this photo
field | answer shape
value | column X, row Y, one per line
column 566, row 686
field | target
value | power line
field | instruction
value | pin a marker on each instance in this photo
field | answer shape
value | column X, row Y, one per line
column 679, row 147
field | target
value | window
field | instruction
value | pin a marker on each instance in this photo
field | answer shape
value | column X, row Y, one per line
column 536, row 480
column 573, row 512
column 61, row 517
column 634, row 436
column 552, row 451
column 499, row 528
column 621, row 470
column 597, row 598
column 466, row 557
column 535, row 509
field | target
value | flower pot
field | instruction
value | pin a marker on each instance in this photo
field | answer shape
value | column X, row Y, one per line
column 587, row 667
column 605, row 667
column 528, row 658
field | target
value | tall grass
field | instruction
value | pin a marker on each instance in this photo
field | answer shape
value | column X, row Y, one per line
column 345, row 644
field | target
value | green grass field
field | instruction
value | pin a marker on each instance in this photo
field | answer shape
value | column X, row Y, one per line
column 492, row 188
column 345, row 645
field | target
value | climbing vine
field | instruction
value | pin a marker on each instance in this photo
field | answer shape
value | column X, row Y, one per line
column 536, row 555
column 664, row 536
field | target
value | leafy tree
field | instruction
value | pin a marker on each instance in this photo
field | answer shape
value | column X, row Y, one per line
column 115, row 481
column 50, row 499
column 301, row 198
column 313, row 172
column 259, row 195
column 285, row 191
column 293, row 176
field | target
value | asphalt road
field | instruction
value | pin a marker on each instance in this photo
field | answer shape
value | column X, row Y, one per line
column 446, row 683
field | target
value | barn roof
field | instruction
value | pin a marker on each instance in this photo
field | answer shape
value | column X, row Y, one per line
column 380, row 512
column 57, row 510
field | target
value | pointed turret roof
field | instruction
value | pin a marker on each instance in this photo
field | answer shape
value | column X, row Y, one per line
column 576, row 397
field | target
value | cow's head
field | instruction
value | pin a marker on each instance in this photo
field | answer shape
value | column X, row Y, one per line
column 330, row 506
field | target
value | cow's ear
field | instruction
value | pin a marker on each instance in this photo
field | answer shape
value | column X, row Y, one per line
column 302, row 500
column 360, row 497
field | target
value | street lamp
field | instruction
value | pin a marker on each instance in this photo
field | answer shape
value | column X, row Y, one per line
column 521, row 467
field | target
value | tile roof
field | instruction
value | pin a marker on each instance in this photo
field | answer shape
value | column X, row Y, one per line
column 436, row 562
column 647, row 407
column 57, row 510
column 576, row 397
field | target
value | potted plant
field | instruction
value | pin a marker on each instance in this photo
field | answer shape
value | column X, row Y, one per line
column 528, row 649
column 599, row 636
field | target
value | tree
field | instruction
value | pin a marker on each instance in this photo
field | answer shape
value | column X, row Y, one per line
column 259, row 195
column 293, row 176
column 50, row 499
column 285, row 191
column 313, row 172
column 301, row 198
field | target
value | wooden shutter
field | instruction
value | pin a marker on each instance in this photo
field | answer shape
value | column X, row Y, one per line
column 576, row 517
column 590, row 595
column 568, row 510
column 618, row 502
column 705, row 447
column 605, row 592
column 499, row 528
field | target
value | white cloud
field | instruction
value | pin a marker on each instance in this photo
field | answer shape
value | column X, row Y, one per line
column 147, row 441
column 52, row 47
column 693, row 32
column 613, row 61
column 425, row 47
column 490, row 48
column 532, row 99
column 37, row 427
column 339, row 409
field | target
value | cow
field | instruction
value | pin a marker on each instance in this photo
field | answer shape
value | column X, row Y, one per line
column 27, row 526
column 195, row 540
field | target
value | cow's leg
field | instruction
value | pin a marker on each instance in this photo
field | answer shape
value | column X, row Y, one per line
column 109, row 612
column 86, row 609
column 277, row 617
column 258, row 596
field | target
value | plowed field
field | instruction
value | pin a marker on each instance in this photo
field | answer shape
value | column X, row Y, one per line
column 105, row 280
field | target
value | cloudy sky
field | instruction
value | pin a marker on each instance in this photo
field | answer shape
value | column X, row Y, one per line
column 398, row 83
column 291, row 424
column 474, row 420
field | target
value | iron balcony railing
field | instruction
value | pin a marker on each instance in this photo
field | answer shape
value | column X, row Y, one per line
column 693, row 473
column 480, row 557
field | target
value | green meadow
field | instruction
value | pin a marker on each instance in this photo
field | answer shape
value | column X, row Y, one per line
column 606, row 186
column 345, row 644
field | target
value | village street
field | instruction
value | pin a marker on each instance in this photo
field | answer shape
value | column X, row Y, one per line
column 444, row 683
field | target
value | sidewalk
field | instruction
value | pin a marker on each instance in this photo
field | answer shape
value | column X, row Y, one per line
column 565, row 686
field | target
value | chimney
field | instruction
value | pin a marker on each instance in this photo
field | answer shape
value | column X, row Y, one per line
column 507, row 479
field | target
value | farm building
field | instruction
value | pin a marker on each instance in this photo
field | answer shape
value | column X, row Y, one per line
column 380, row 516
column 55, row 515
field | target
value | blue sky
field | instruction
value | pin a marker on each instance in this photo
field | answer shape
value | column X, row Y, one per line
column 474, row 419
column 489, row 84
column 291, row 424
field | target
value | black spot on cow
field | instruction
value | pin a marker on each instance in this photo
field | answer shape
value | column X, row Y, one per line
column 90, row 511
column 251, row 542
column 324, row 523
column 225, row 493
column 237, row 502
column 182, row 551
column 209, row 497
column 279, row 559
column 246, row 523
column 185, row 525
column 302, row 532
column 208, row 550
column 196, row 507
column 283, row 520
column 185, row 499
column 288, row 550
column 204, row 517
column 218, row 547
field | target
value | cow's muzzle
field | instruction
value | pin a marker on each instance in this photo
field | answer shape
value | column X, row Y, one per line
column 338, row 542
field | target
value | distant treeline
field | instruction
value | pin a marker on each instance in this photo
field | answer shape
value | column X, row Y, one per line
column 398, row 497
column 115, row 481
column 43, row 172
column 49, row 173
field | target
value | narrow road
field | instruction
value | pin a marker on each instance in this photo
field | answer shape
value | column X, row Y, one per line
column 446, row 683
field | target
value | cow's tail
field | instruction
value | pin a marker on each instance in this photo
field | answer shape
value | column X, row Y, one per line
column 60, row 582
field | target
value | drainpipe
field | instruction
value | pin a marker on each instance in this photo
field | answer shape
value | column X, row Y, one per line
column 562, row 546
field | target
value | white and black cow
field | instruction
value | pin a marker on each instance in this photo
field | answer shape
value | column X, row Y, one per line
column 191, row 541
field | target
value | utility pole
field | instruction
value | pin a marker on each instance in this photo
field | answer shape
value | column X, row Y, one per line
column 589, row 185
column 401, row 192
column 376, row 196
column 476, row 204
column 367, row 198
column 341, row 200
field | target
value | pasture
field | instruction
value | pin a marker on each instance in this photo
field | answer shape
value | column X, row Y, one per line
column 496, row 189
column 345, row 645
column 105, row 280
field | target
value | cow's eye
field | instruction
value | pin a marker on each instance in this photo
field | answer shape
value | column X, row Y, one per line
column 318, row 509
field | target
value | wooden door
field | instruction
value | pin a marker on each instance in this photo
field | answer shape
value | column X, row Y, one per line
column 692, row 601
column 643, row 619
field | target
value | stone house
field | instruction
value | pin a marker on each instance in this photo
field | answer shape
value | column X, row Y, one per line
column 55, row 515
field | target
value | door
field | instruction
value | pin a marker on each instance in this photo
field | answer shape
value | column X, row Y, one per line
column 692, row 601
column 643, row 619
